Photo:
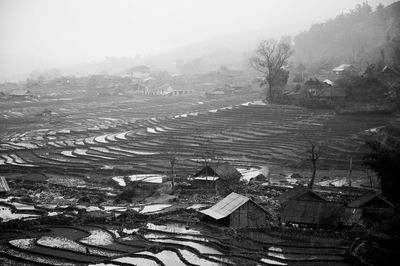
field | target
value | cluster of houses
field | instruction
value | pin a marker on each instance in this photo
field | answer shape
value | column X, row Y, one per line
column 300, row 206
column 323, row 86
column 141, row 80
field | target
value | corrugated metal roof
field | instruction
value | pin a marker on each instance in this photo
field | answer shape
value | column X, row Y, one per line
column 297, row 192
column 313, row 212
column 228, row 205
column 4, row 185
column 365, row 198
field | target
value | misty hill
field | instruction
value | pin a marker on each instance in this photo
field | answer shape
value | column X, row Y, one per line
column 232, row 50
column 361, row 36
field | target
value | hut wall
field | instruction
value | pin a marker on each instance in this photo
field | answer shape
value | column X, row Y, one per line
column 204, row 184
column 249, row 214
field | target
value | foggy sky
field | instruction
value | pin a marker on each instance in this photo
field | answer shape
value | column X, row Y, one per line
column 52, row 33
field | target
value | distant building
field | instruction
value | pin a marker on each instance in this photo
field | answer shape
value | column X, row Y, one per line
column 345, row 69
column 19, row 93
column 237, row 211
column 216, row 175
column 300, row 192
column 138, row 72
column 167, row 90
column 4, row 188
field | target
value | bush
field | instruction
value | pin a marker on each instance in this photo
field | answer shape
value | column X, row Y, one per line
column 127, row 195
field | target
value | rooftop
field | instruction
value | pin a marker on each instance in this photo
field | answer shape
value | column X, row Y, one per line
column 367, row 197
column 342, row 67
column 297, row 192
column 228, row 205
column 224, row 171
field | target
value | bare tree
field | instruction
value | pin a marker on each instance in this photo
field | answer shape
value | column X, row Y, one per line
column 271, row 57
column 314, row 153
column 172, row 155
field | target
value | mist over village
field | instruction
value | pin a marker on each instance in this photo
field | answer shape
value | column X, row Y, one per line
column 187, row 132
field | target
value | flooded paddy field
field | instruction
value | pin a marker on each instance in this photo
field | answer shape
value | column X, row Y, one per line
column 140, row 134
column 164, row 242
column 66, row 172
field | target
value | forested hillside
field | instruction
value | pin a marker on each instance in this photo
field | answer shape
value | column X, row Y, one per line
column 364, row 35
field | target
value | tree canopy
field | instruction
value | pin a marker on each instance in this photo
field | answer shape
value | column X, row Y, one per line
column 385, row 162
column 359, row 36
column 270, row 59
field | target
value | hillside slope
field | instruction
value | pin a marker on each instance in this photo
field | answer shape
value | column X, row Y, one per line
column 361, row 36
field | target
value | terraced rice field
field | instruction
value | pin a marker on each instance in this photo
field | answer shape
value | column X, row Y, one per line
column 171, row 244
column 251, row 134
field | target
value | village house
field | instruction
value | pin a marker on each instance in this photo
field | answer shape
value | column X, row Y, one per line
column 20, row 94
column 4, row 188
column 319, row 213
column 138, row 72
column 213, row 176
column 300, row 192
column 345, row 69
column 374, row 205
column 237, row 211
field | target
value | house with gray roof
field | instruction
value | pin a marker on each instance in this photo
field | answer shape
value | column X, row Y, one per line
column 237, row 211
column 216, row 175
column 345, row 69
column 300, row 192
column 374, row 205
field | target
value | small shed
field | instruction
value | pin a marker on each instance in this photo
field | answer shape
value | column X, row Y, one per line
column 374, row 204
column 300, row 192
column 4, row 188
column 215, row 175
column 237, row 211
column 345, row 69
column 317, row 213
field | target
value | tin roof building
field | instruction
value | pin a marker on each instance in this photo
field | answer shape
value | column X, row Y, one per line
column 236, row 210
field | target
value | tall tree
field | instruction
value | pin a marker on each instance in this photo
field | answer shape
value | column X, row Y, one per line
column 271, row 57
column 385, row 162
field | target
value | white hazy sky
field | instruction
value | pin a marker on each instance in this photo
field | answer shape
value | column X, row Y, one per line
column 46, row 33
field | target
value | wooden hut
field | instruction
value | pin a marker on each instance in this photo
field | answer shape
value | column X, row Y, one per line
column 300, row 192
column 216, row 175
column 238, row 211
column 374, row 205
column 316, row 213
column 4, row 188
